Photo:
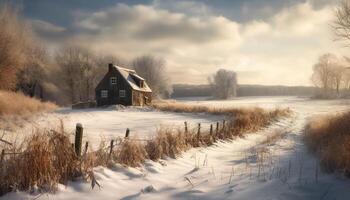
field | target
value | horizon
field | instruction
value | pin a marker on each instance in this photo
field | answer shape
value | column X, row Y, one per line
column 239, row 84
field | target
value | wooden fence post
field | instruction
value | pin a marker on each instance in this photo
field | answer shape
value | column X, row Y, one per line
column 217, row 129
column 111, row 148
column 127, row 133
column 2, row 157
column 211, row 131
column 186, row 128
column 223, row 124
column 199, row 132
column 78, row 139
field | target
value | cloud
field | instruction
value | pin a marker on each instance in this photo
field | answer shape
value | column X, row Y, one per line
column 302, row 20
column 184, row 40
column 255, row 28
column 43, row 26
column 195, row 42
column 192, row 8
column 148, row 23
column 48, row 32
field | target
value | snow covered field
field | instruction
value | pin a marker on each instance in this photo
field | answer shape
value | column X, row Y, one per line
column 254, row 167
column 109, row 123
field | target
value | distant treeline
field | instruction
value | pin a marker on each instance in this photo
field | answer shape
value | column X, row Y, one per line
column 184, row 90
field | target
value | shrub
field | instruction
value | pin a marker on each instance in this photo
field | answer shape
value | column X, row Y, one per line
column 329, row 138
column 12, row 103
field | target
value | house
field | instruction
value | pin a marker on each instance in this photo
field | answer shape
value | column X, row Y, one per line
column 122, row 86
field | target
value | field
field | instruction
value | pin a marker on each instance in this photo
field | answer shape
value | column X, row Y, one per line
column 269, row 164
column 109, row 123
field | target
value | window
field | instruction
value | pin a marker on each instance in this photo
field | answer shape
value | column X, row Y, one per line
column 104, row 93
column 113, row 80
column 121, row 93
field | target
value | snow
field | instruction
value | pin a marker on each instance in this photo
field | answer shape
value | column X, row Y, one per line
column 127, row 75
column 226, row 170
column 112, row 122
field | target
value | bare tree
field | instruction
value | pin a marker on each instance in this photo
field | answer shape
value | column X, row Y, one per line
column 346, row 79
column 15, row 37
column 341, row 27
column 330, row 74
column 154, row 71
column 322, row 72
column 223, row 84
column 78, row 71
column 341, row 24
column 33, row 73
column 337, row 76
column 346, row 75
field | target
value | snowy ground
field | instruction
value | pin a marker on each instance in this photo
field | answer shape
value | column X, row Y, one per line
column 245, row 168
column 109, row 123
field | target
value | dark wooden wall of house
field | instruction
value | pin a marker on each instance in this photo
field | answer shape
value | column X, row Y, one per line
column 113, row 90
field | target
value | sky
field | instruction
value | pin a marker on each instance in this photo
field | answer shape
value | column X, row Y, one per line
column 269, row 42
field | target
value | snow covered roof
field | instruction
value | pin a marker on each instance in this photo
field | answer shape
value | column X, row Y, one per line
column 128, row 76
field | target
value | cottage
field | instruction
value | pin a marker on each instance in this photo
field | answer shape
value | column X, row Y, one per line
column 122, row 86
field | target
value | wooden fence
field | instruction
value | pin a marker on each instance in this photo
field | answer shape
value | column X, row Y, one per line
column 79, row 132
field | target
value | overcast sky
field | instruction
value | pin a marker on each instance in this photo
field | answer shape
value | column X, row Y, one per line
column 271, row 42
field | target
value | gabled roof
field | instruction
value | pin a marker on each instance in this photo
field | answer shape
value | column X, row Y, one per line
column 127, row 75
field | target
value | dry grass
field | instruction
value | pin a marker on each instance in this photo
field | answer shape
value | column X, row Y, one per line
column 50, row 158
column 173, row 106
column 241, row 119
column 329, row 138
column 167, row 143
column 103, row 158
column 45, row 159
column 12, row 103
column 131, row 153
column 170, row 142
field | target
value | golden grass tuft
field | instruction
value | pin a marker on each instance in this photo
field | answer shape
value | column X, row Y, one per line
column 45, row 159
column 167, row 143
column 13, row 103
column 131, row 153
column 102, row 155
column 329, row 138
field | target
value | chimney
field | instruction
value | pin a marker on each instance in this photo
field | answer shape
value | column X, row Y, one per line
column 110, row 67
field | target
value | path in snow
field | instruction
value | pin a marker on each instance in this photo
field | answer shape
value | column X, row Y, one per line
column 245, row 168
